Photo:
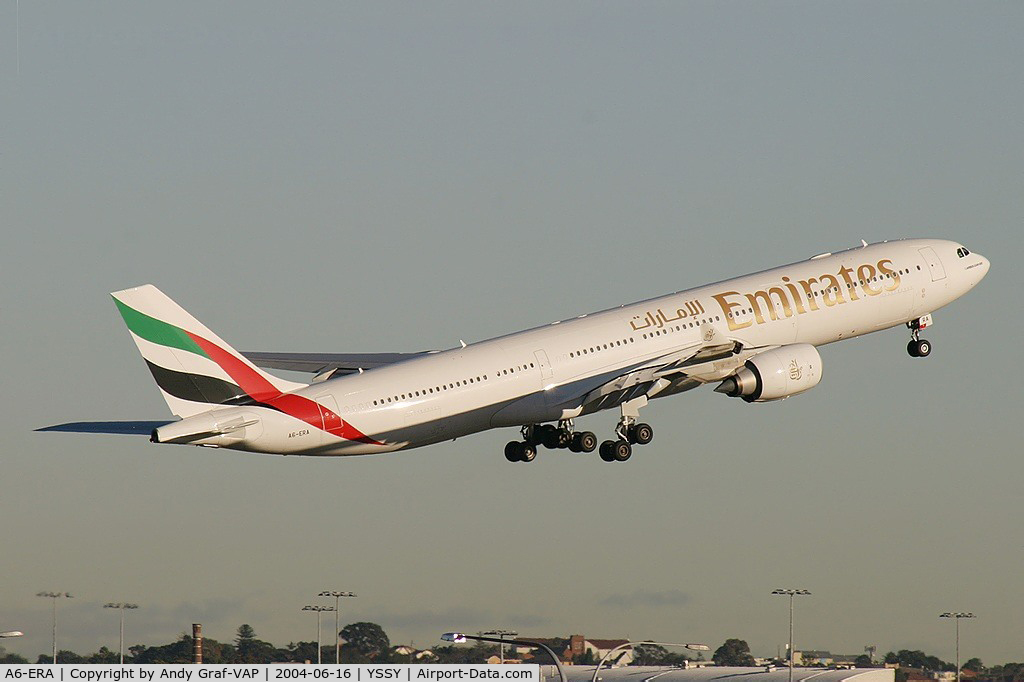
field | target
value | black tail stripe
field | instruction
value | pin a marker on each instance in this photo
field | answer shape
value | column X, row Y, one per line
column 198, row 388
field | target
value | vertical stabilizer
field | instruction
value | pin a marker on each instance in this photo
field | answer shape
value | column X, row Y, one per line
column 194, row 368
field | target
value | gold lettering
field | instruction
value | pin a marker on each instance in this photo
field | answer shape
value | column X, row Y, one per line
column 796, row 296
column 806, row 284
column 846, row 272
column 866, row 272
column 833, row 293
column 783, row 299
column 727, row 310
column 761, row 296
column 889, row 271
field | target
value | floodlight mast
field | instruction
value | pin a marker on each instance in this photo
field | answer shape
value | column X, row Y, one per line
column 502, row 634
column 957, row 615
column 319, row 610
column 337, row 633
column 791, row 593
column 122, row 606
column 54, row 596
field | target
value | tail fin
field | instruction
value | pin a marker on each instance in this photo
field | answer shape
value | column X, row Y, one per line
column 194, row 368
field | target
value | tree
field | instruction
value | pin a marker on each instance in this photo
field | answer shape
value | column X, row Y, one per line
column 249, row 649
column 477, row 653
column 104, row 655
column 369, row 639
column 63, row 656
column 11, row 658
column 181, row 652
column 648, row 654
column 734, row 652
column 245, row 633
column 863, row 661
column 906, row 658
column 974, row 665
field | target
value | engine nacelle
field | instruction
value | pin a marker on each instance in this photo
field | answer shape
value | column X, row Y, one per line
column 775, row 374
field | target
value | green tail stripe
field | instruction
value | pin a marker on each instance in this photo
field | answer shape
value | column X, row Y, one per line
column 157, row 331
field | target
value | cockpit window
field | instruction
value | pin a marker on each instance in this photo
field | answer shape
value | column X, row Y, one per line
column 963, row 252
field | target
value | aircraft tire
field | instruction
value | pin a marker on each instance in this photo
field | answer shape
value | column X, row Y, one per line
column 924, row 348
column 586, row 441
column 912, row 349
column 564, row 438
column 527, row 453
column 512, row 451
column 643, row 434
column 606, row 451
column 622, row 450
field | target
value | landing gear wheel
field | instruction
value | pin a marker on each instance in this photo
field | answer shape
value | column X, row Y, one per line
column 564, row 438
column 606, row 451
column 527, row 453
column 512, row 451
column 642, row 434
column 622, row 450
column 586, row 441
column 919, row 348
column 574, row 444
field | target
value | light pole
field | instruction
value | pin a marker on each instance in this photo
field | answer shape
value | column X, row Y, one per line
column 692, row 647
column 957, row 615
column 460, row 637
column 792, row 593
column 319, row 610
column 54, row 596
column 502, row 634
column 337, row 634
column 122, row 606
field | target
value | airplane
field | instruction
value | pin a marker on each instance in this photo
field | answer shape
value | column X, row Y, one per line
column 755, row 336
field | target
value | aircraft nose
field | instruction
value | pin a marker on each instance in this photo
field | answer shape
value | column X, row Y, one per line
column 984, row 266
column 978, row 272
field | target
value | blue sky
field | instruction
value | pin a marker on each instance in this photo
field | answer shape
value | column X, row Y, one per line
column 386, row 176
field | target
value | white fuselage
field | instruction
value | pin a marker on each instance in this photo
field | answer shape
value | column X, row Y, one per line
column 546, row 373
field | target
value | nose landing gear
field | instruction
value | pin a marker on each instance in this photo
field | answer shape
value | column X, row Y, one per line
column 918, row 347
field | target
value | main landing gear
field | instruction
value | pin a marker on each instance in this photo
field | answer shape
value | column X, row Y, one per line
column 552, row 437
column 629, row 433
column 918, row 347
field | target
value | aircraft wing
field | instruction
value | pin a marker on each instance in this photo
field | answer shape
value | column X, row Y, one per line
column 681, row 370
column 333, row 363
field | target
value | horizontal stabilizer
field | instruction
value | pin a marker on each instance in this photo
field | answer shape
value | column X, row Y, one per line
column 315, row 363
column 139, row 428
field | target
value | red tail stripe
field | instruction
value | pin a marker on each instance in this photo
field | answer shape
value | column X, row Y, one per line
column 246, row 377
column 261, row 390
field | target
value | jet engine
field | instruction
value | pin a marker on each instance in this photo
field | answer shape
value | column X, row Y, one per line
column 775, row 374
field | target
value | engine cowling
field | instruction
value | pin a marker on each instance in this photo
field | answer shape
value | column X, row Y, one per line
column 775, row 374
